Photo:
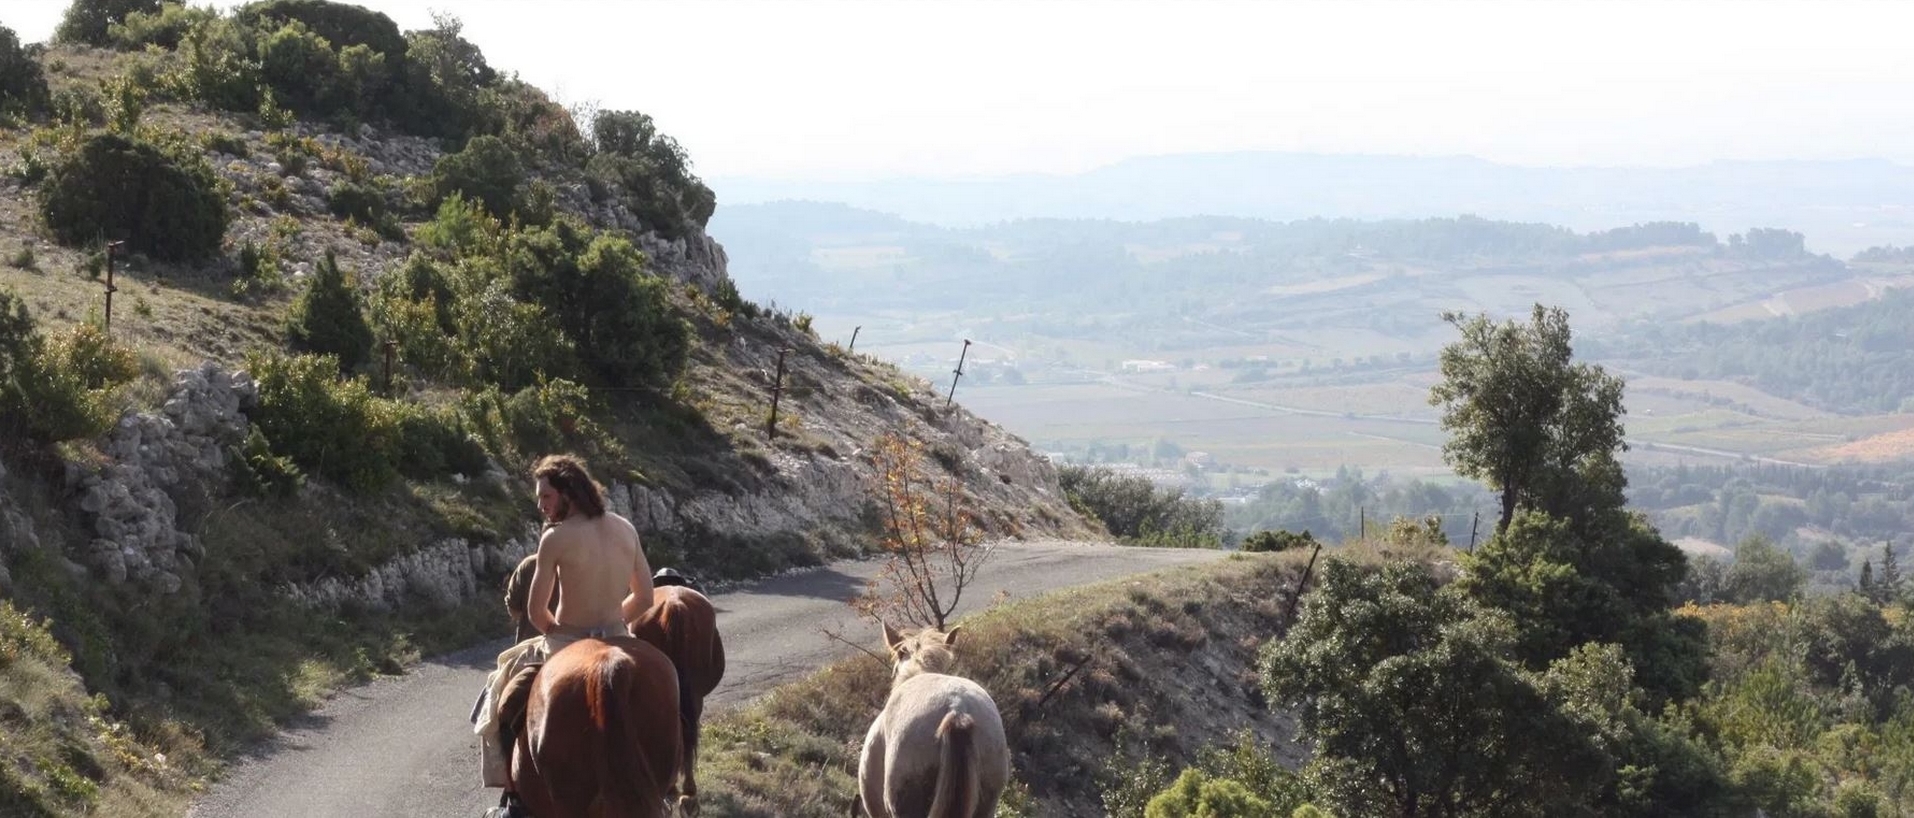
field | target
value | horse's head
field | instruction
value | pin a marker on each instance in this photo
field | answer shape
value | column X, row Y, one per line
column 920, row 651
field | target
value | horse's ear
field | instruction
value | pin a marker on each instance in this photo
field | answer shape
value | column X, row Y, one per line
column 950, row 636
column 891, row 636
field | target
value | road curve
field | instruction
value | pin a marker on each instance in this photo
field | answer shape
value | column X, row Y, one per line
column 400, row 746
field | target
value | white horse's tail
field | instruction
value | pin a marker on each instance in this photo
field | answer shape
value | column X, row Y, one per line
column 957, row 783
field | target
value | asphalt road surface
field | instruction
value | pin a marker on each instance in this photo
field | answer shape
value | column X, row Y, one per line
column 401, row 746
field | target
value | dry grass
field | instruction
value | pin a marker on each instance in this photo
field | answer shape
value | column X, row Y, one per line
column 1165, row 659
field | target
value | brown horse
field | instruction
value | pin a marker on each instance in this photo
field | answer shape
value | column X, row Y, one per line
column 591, row 747
column 682, row 623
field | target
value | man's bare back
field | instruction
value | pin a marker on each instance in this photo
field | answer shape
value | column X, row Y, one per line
column 598, row 566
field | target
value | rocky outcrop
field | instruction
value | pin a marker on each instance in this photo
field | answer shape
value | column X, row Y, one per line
column 441, row 575
column 153, row 458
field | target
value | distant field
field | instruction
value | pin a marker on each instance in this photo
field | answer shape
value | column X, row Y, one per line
column 1806, row 299
column 1881, row 448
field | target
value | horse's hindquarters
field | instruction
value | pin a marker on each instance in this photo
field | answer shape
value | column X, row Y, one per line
column 603, row 731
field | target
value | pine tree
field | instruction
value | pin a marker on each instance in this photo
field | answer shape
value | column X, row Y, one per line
column 1867, row 580
column 326, row 319
column 1889, row 583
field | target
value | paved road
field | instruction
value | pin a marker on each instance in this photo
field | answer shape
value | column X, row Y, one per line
column 401, row 747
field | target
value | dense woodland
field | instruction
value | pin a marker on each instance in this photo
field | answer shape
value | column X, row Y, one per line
column 1852, row 360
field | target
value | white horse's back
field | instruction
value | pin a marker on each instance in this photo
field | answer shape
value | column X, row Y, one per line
column 936, row 751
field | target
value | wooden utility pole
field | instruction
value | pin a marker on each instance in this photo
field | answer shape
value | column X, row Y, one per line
column 1362, row 522
column 777, row 389
column 110, row 289
column 1473, row 525
column 854, row 331
column 959, row 373
column 389, row 346
column 1289, row 616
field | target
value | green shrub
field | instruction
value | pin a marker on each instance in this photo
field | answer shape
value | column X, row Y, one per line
column 116, row 188
column 257, row 472
column 78, row 106
column 1134, row 510
column 125, row 100
column 487, row 170
column 64, row 388
column 329, row 427
column 89, row 21
column 440, row 89
column 434, row 441
column 326, row 319
column 618, row 316
column 218, row 67
column 650, row 173
column 341, row 24
column 301, row 67
column 358, row 201
column 1196, row 795
column 231, row 144
column 166, row 27
column 1278, row 541
column 550, row 416
column 23, row 86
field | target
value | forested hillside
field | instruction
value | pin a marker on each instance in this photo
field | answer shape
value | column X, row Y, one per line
column 1852, row 360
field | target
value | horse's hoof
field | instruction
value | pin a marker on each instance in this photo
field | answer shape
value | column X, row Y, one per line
column 688, row 806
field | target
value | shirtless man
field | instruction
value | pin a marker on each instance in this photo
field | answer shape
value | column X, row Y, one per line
column 595, row 562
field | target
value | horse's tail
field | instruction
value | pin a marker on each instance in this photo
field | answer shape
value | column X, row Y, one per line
column 957, row 771
column 623, row 770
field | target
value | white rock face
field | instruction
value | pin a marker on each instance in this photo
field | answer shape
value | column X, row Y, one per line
column 129, row 502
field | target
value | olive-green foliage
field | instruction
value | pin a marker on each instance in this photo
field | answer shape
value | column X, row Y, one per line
column 340, row 24
column 1197, row 795
column 618, row 316
column 88, row 21
column 649, row 172
column 219, row 68
column 358, row 201
column 1762, row 572
column 1527, row 420
column 1137, row 512
column 1385, row 667
column 549, row 416
column 487, row 171
column 326, row 319
column 339, row 430
column 330, row 427
column 257, row 472
column 1278, row 541
column 166, row 27
column 1567, row 588
column 23, row 85
column 117, row 188
column 441, row 89
column 62, row 388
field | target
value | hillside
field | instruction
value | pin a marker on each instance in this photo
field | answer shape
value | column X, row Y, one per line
column 264, row 510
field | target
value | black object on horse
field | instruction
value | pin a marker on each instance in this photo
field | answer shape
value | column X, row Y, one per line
column 670, row 576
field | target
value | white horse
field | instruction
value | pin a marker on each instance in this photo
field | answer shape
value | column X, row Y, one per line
column 938, row 749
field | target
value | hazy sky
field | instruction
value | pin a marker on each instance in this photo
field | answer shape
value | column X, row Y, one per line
column 861, row 89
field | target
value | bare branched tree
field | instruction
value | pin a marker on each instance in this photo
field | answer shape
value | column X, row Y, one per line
column 930, row 534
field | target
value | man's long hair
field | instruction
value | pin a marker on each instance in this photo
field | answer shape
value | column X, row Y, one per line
column 567, row 476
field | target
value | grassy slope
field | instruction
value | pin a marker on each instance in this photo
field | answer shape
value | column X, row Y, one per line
column 1166, row 667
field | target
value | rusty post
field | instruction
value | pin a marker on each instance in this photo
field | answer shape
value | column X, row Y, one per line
column 1289, row 616
column 777, row 389
column 110, row 288
column 389, row 346
column 958, row 373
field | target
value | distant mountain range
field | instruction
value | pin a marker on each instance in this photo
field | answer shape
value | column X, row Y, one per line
column 1842, row 206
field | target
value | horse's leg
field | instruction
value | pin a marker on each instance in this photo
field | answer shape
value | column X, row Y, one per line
column 694, row 713
column 870, row 772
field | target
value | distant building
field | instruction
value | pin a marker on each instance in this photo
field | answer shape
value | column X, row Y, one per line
column 1144, row 365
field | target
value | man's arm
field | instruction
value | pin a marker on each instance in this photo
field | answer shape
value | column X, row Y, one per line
column 640, row 600
column 544, row 578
